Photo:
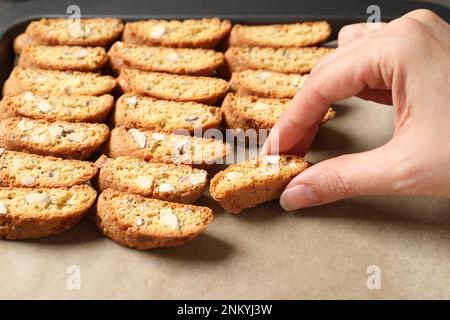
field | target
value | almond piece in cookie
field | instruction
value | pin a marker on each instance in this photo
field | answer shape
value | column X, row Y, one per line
column 141, row 223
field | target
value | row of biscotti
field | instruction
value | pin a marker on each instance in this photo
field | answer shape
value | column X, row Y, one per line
column 171, row 60
column 201, row 33
column 42, row 196
column 132, row 111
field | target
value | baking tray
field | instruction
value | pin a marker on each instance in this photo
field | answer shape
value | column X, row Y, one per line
column 264, row 253
column 15, row 18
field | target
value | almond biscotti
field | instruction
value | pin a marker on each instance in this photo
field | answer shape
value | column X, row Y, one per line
column 252, row 112
column 165, row 116
column 87, row 33
column 200, row 62
column 137, row 222
column 191, row 33
column 58, row 82
column 18, row 169
column 155, row 146
column 286, row 60
column 170, row 182
column 302, row 34
column 64, row 58
column 20, row 42
column 58, row 107
column 255, row 181
column 60, row 139
column 266, row 84
column 173, row 87
column 40, row 212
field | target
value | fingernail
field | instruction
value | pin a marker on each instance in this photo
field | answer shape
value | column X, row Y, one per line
column 299, row 196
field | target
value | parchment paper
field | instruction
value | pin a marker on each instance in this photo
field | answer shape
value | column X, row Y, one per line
column 264, row 253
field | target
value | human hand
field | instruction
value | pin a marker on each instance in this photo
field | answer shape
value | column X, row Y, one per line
column 405, row 63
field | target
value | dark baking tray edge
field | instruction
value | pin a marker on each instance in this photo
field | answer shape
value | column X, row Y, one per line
column 13, row 19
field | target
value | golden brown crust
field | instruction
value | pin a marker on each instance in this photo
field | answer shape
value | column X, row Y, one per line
column 182, row 61
column 169, row 182
column 40, row 212
column 21, row 41
column 165, row 148
column 141, row 229
column 252, row 182
column 165, row 116
column 89, row 109
column 190, row 33
column 60, row 139
column 63, row 58
column 285, row 60
column 302, row 34
column 173, row 87
column 90, row 33
column 18, row 169
column 41, row 81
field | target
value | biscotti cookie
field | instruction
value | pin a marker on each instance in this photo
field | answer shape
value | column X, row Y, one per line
column 58, row 107
column 204, row 33
column 201, row 62
column 20, row 42
column 87, row 33
column 18, row 169
column 40, row 212
column 137, row 222
column 165, row 116
column 252, row 112
column 64, row 58
column 173, row 87
column 170, row 182
column 280, row 35
column 287, row 60
column 255, row 181
column 60, row 139
column 154, row 146
column 266, row 84
column 58, row 82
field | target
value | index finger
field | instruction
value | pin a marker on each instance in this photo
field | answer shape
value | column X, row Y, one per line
column 344, row 77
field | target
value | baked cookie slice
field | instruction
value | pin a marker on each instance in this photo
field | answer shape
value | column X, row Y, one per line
column 302, row 34
column 155, row 146
column 18, row 169
column 40, row 212
column 173, row 87
column 286, row 60
column 191, row 33
column 201, row 62
column 58, row 82
column 255, row 181
column 64, row 58
column 60, row 139
column 170, row 182
column 266, row 84
column 252, row 112
column 141, row 223
column 90, row 32
column 165, row 116
column 58, row 107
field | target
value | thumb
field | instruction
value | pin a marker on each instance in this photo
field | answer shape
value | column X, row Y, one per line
column 372, row 172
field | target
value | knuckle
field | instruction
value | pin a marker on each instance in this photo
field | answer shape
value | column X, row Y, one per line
column 334, row 183
column 423, row 14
